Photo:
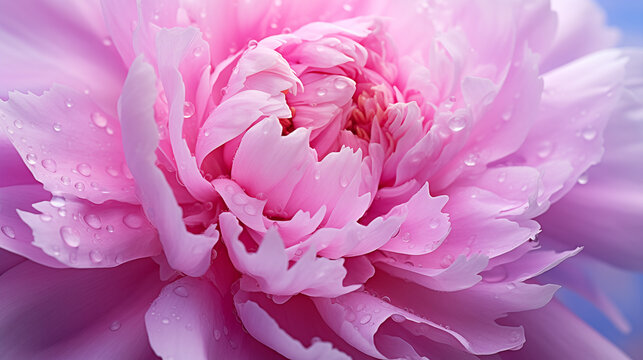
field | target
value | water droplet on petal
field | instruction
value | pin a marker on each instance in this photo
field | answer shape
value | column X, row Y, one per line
column 84, row 169
column 446, row 261
column 340, row 83
column 198, row 51
column 434, row 223
column 109, row 228
column 397, row 318
column 57, row 201
column 347, row 7
column 252, row 44
column 589, row 134
column 57, row 127
column 79, row 186
column 95, row 256
column 386, row 299
column 250, row 210
column 217, row 335
column 502, row 177
column 45, row 218
column 62, row 212
column 112, row 171
column 343, row 181
column 99, row 119
column 495, row 275
column 165, row 321
column 65, row 180
column 239, row 199
column 350, row 316
column 457, row 123
column 31, row 159
column 321, row 92
column 93, row 221
column 545, row 149
column 471, row 160
column 8, row 231
column 17, row 124
column 181, row 291
column 49, row 165
column 133, row 221
column 115, row 326
column 583, row 179
column 107, row 41
column 188, row 109
column 366, row 318
column 70, row 236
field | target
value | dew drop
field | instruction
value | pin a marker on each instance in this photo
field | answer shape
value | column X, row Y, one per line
column 8, row 231
column 93, row 221
column 165, row 321
column 347, row 7
column 84, row 169
column 322, row 92
column 133, row 221
column 589, row 134
column 65, row 180
column 57, row 201
column 31, row 159
column 112, row 171
column 506, row 116
column 115, row 326
column 79, row 186
column 109, row 228
column 471, row 160
column 181, row 291
column 502, row 177
column 386, row 299
column 198, row 51
column 107, row 41
column 239, row 199
column 434, row 223
column 99, row 119
column 70, row 236
column 457, row 123
column 366, row 318
column 317, row 174
column 343, row 181
column 45, row 218
column 545, row 149
column 583, row 179
column 397, row 318
column 188, row 109
column 252, row 44
column 250, row 210
column 446, row 261
column 340, row 83
column 69, row 103
column 57, row 127
column 95, row 256
column 495, row 275
column 62, row 212
column 350, row 316
column 17, row 124
column 49, row 165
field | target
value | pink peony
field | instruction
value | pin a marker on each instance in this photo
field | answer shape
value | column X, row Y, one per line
column 313, row 179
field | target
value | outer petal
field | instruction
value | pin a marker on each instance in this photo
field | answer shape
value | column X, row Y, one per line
column 190, row 320
column 76, row 314
column 78, row 54
column 69, row 143
column 554, row 332
column 604, row 213
column 15, row 235
column 185, row 251
column 81, row 234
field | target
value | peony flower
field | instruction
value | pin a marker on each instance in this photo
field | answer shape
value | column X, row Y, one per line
column 313, row 180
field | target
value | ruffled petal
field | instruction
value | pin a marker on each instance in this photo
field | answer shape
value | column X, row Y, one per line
column 191, row 320
column 186, row 252
column 56, row 127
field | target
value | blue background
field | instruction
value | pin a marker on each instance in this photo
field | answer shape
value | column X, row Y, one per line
column 625, row 289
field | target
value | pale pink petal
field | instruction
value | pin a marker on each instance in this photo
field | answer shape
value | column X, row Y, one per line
column 78, row 54
column 191, row 320
column 15, row 235
column 268, row 268
column 84, row 235
column 577, row 19
column 555, row 332
column 186, row 252
column 180, row 73
column 57, row 126
column 263, row 327
column 76, row 314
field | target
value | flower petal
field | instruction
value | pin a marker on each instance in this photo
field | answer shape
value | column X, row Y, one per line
column 185, row 251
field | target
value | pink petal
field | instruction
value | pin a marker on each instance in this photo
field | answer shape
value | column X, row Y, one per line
column 77, row 54
column 180, row 73
column 15, row 235
column 186, row 252
column 263, row 327
column 268, row 268
column 85, row 313
column 555, row 332
column 191, row 320
column 84, row 235
column 12, row 164
column 56, row 125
